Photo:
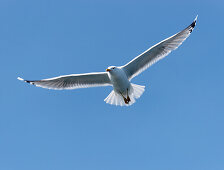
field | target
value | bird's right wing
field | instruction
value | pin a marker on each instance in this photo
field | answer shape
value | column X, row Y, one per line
column 156, row 52
column 73, row 81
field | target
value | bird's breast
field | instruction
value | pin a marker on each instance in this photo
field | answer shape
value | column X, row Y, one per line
column 120, row 81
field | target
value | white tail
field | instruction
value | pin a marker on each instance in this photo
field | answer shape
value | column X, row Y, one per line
column 116, row 99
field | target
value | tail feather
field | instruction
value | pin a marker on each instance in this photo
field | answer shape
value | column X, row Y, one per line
column 138, row 90
column 116, row 99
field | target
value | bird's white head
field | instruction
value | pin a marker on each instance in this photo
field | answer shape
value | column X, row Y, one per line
column 111, row 69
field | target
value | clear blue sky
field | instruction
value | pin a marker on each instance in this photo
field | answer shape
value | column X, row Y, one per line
column 176, row 124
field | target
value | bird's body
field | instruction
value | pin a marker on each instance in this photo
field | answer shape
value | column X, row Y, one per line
column 119, row 80
column 121, row 85
column 124, row 92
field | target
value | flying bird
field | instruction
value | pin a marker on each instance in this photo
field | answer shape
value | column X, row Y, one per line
column 124, row 92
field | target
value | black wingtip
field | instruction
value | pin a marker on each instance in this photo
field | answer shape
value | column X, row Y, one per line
column 27, row 81
column 30, row 82
column 193, row 24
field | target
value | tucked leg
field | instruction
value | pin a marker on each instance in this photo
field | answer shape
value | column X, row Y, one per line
column 125, row 100
column 128, row 98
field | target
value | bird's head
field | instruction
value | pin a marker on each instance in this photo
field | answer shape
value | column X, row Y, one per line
column 111, row 69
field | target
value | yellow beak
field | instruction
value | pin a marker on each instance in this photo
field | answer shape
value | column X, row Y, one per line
column 107, row 69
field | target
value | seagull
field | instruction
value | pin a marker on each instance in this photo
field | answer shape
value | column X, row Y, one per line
column 124, row 92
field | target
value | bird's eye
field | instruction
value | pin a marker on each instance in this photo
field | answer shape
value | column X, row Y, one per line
column 113, row 67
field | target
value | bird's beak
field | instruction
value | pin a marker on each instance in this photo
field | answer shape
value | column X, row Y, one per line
column 107, row 69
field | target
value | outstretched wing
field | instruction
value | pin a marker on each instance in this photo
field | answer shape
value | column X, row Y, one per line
column 157, row 52
column 73, row 81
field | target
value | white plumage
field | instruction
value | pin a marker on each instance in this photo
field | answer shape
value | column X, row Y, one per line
column 124, row 93
column 116, row 99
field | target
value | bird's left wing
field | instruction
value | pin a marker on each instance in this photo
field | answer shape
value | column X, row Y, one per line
column 73, row 81
column 156, row 52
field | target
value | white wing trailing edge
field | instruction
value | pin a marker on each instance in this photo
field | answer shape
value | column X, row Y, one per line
column 72, row 81
column 157, row 52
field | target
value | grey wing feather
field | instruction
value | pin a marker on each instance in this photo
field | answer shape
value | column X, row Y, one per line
column 73, row 81
column 156, row 52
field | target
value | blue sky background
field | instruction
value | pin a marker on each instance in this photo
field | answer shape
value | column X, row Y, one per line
column 176, row 124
